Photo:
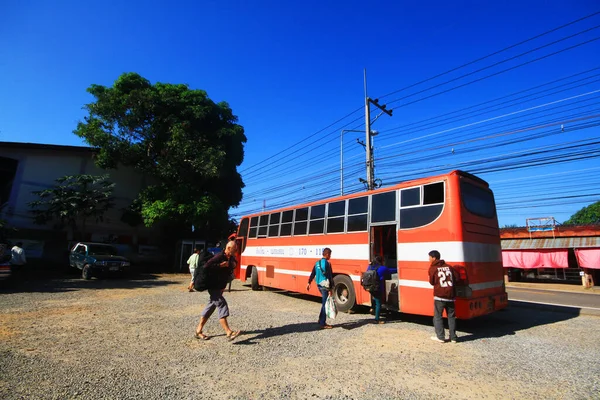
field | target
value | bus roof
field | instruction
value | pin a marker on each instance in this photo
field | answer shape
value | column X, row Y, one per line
column 381, row 190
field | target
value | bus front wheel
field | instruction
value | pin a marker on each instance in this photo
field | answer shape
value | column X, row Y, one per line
column 254, row 279
column 343, row 293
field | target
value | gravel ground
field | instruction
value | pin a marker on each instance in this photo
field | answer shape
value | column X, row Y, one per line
column 129, row 339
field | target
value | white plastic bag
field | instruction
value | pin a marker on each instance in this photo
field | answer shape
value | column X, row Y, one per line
column 330, row 308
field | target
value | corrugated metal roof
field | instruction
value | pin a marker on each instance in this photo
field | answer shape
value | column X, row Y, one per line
column 550, row 243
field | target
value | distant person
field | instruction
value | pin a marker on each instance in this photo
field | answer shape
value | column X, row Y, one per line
column 378, row 295
column 218, row 269
column 323, row 275
column 442, row 276
column 17, row 255
column 193, row 264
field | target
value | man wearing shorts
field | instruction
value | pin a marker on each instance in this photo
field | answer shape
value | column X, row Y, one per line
column 218, row 270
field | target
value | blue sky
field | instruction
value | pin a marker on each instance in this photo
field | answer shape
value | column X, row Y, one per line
column 290, row 70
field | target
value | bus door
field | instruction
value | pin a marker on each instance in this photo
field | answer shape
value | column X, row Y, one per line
column 384, row 240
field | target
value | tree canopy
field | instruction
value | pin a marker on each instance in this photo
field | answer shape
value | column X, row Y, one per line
column 586, row 216
column 189, row 145
column 73, row 201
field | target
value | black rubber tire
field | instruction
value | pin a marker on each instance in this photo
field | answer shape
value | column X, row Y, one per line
column 86, row 273
column 254, row 279
column 341, row 284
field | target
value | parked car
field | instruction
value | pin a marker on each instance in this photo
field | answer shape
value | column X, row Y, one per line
column 97, row 259
column 5, row 270
column 5, row 267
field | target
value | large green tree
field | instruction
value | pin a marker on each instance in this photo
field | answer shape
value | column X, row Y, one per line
column 74, row 201
column 586, row 216
column 189, row 145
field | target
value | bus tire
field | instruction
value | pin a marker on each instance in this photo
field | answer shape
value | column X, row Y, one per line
column 343, row 293
column 254, row 279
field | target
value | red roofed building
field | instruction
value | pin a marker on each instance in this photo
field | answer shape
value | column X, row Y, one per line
column 552, row 252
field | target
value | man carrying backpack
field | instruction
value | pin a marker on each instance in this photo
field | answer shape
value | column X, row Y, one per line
column 218, row 270
column 373, row 280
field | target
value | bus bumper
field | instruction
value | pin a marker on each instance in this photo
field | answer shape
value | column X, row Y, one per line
column 475, row 307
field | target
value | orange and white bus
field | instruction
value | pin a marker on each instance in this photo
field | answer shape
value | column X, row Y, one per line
column 453, row 213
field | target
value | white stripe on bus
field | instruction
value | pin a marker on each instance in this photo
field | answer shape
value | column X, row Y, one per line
column 414, row 284
column 401, row 282
column 452, row 252
column 293, row 272
column 426, row 285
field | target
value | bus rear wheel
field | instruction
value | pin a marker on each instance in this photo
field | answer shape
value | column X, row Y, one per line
column 343, row 293
column 254, row 279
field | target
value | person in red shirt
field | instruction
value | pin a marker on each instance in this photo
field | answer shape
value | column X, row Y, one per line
column 442, row 277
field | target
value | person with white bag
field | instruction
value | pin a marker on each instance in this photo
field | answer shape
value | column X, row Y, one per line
column 323, row 275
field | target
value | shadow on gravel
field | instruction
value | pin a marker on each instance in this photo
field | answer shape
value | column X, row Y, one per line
column 303, row 327
column 518, row 316
column 509, row 321
column 45, row 282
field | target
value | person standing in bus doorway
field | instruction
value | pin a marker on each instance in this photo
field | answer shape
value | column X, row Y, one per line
column 323, row 275
column 219, row 268
column 193, row 263
column 442, row 277
column 378, row 294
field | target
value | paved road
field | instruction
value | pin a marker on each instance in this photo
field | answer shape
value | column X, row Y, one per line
column 565, row 301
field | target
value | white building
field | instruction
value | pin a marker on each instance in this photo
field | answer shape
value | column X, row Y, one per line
column 28, row 167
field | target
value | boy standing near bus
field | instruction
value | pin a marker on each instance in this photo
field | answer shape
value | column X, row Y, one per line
column 323, row 275
column 442, row 277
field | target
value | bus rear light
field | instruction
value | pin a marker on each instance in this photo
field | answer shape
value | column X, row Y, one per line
column 462, row 273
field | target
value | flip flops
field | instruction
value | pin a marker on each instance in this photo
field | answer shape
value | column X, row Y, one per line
column 233, row 335
column 201, row 336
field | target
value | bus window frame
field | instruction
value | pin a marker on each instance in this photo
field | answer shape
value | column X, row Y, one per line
column 266, row 226
column 278, row 224
column 301, row 221
column 255, row 227
column 291, row 223
column 367, row 213
column 318, row 219
column 421, row 204
column 336, row 217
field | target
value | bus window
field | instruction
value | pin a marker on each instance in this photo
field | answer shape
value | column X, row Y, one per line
column 477, row 200
column 434, row 193
column 274, row 224
column 383, row 207
column 410, row 197
column 357, row 214
column 413, row 213
column 317, row 219
column 263, row 224
column 335, row 216
column 300, row 223
column 415, row 217
column 243, row 231
column 286, row 223
column 253, row 227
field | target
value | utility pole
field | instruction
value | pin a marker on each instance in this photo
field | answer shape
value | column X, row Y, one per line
column 370, row 170
column 369, row 134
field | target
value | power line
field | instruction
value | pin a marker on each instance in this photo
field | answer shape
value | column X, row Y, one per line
column 254, row 166
column 491, row 54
